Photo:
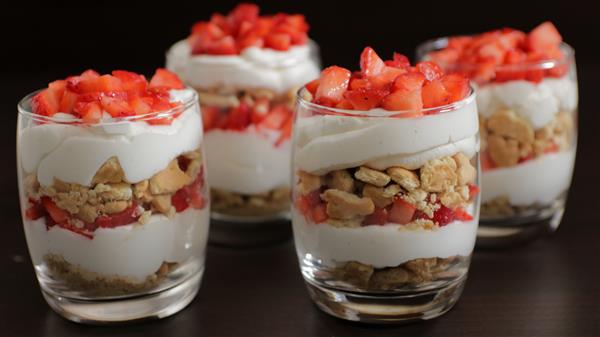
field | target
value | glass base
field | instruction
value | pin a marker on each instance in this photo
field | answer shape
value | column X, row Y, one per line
column 237, row 231
column 502, row 232
column 386, row 308
column 140, row 308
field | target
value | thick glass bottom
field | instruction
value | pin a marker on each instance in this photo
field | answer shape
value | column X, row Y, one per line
column 244, row 231
column 129, row 309
column 521, row 227
column 403, row 307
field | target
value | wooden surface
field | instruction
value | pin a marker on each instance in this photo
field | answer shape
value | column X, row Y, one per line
column 550, row 287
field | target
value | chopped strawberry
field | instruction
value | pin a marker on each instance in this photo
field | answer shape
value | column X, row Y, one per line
column 434, row 94
column 457, row 87
column 379, row 217
column 91, row 112
column 278, row 41
column 210, row 117
column 461, row 214
column 260, row 109
column 399, row 61
column 430, row 70
column 67, row 102
column 115, row 106
column 443, row 215
column 312, row 86
column 276, row 117
column 401, row 212
column 344, row 104
column 286, row 131
column 45, row 103
column 123, row 218
column 139, row 106
column 35, row 211
column 332, row 85
column 371, row 64
column 364, row 98
column 409, row 81
column 224, row 46
column 306, row 203
column 487, row 163
column 543, row 37
column 319, row 213
column 403, row 101
column 473, row 191
column 57, row 214
column 179, row 200
column 130, row 81
column 238, row 118
column 163, row 78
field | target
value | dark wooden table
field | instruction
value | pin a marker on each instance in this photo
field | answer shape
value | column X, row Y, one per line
column 550, row 287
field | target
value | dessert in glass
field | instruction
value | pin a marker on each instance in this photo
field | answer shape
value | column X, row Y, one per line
column 247, row 68
column 113, row 197
column 527, row 102
column 385, row 189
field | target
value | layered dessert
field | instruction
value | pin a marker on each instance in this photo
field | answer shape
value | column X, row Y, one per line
column 385, row 164
column 527, row 102
column 112, row 183
column 247, row 68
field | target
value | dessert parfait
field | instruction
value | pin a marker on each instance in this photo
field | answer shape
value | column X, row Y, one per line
column 113, row 195
column 385, row 194
column 247, row 68
column 527, row 102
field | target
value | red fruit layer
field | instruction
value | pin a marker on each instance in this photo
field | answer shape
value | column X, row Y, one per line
column 262, row 115
column 120, row 94
column 480, row 57
column 392, row 85
column 243, row 27
column 188, row 196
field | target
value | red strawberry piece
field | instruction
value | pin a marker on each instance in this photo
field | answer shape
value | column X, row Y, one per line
column 445, row 57
column 386, row 77
column 430, row 70
column 45, row 103
column 318, row 213
column 492, row 52
column 401, row 212
column 457, row 86
column 58, row 88
column 443, row 215
column 487, row 163
column 402, row 100
column 332, row 85
column 462, row 215
column 56, row 213
column 224, row 46
column 364, row 98
column 115, row 106
column 210, row 117
column 434, row 94
column 179, row 200
column 260, row 109
column 139, row 106
column 409, row 81
column 91, row 112
column 278, row 41
column 399, row 61
column 359, row 83
column 544, row 36
column 130, row 81
column 312, row 86
column 473, row 191
column 244, row 12
column 286, row 131
column 35, row 211
column 344, row 104
column 250, row 40
column 276, row 118
column 370, row 63
column 379, row 217
column 515, row 57
column 67, row 102
column 126, row 217
column 238, row 118
column 307, row 202
column 164, row 78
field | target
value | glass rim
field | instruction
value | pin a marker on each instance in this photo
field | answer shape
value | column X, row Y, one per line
column 439, row 43
column 447, row 108
column 24, row 110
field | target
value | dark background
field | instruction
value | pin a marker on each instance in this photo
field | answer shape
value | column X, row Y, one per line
column 548, row 288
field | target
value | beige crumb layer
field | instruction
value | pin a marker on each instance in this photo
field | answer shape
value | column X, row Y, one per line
column 269, row 203
column 78, row 279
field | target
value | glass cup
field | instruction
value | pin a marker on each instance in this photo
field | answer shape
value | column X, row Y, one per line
column 528, row 124
column 385, row 208
column 116, row 214
column 247, row 103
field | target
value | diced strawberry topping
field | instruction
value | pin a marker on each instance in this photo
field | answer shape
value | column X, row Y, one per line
column 311, row 206
column 56, row 213
column 379, row 217
column 120, row 94
column 401, row 212
column 243, row 27
column 392, row 85
column 483, row 56
column 35, row 211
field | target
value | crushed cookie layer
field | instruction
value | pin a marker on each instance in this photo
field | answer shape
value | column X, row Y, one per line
column 269, row 203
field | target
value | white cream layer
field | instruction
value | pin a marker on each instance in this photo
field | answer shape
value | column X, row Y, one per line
column 133, row 251
column 74, row 153
column 255, row 67
column 247, row 162
column 536, row 102
column 329, row 142
column 540, row 180
column 381, row 246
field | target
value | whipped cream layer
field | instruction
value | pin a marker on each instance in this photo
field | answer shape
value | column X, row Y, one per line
column 538, row 103
column 74, row 153
column 255, row 67
column 540, row 180
column 247, row 162
column 381, row 246
column 133, row 252
column 330, row 142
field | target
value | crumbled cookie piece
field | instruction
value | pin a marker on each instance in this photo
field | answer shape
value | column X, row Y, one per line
column 262, row 93
column 381, row 196
column 357, row 273
column 408, row 179
column 504, row 152
column 140, row 188
column 438, row 175
column 88, row 213
column 506, row 123
column 341, row 180
column 391, row 278
column 465, row 172
column 113, row 207
column 344, row 205
column 218, row 100
column 422, row 268
column 116, row 191
column 371, row 176
column 145, row 217
column 168, row 180
column 110, row 172
column 308, row 182
column 426, row 224
column 347, row 223
column 451, row 199
column 162, row 203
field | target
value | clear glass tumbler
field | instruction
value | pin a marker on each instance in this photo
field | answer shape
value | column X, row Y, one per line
column 385, row 208
column 528, row 125
column 116, row 214
column 247, row 105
